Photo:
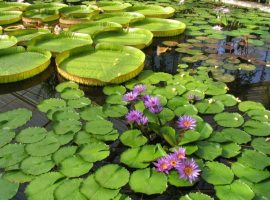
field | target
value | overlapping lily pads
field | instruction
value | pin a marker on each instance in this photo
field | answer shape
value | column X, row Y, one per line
column 40, row 15
column 9, row 17
column 153, row 11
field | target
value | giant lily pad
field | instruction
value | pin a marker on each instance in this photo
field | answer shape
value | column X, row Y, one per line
column 153, row 11
column 51, row 6
column 161, row 27
column 74, row 10
column 116, row 6
column 70, row 20
column 122, row 63
column 139, row 38
column 123, row 18
column 93, row 28
column 13, row 6
column 7, row 41
column 35, row 61
column 44, row 15
column 24, row 35
column 9, row 17
column 59, row 43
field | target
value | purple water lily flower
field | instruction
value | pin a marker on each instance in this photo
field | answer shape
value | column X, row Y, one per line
column 156, row 109
column 180, row 154
column 173, row 161
column 226, row 11
column 146, row 97
column 133, row 115
column 188, row 169
column 130, row 96
column 152, row 101
column 186, row 122
column 139, row 88
column 192, row 97
column 142, row 120
column 163, row 165
column 197, row 98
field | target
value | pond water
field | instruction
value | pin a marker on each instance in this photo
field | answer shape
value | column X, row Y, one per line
column 43, row 85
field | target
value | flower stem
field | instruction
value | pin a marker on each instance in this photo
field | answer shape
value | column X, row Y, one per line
column 159, row 120
column 181, row 136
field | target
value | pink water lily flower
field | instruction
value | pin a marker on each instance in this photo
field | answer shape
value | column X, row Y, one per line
column 217, row 28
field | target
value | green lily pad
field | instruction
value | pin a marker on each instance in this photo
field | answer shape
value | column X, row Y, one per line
column 69, row 190
column 83, row 137
column 207, row 107
column 260, row 115
column 227, row 119
column 148, row 181
column 31, row 135
column 115, row 98
column 247, row 67
column 257, row 128
column 226, row 99
column 112, row 7
column 208, row 150
column 179, row 182
column 44, row 185
column 169, row 134
column 93, row 191
column 196, row 196
column 190, row 136
column 79, row 103
column 100, row 127
column 44, row 147
column 47, row 104
column 10, row 188
column 92, row 112
column 250, row 105
column 51, row 111
column 133, row 138
column 161, row 27
column 74, row 166
column 153, row 11
column 7, row 41
column 186, row 110
column 44, row 15
column 114, row 110
column 36, row 165
column 122, row 63
column 112, row 89
column 78, row 9
column 230, row 150
column 177, row 101
column 251, row 174
column 112, row 176
column 17, row 176
column 65, row 126
column 62, row 139
column 135, row 37
column 69, row 84
column 12, row 154
column 71, row 93
column 9, row 17
column 236, row 190
column 261, row 145
column 65, row 115
column 217, row 173
column 6, row 136
column 63, row 153
column 93, row 152
column 254, row 159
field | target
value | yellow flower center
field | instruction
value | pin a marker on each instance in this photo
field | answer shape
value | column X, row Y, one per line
column 180, row 155
column 164, row 166
column 186, row 123
column 188, row 170
column 173, row 163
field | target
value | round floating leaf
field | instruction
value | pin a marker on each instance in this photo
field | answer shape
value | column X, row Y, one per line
column 247, row 67
column 208, row 150
column 230, row 150
column 62, row 139
column 186, row 110
column 227, row 119
column 183, row 65
column 148, row 181
column 173, row 179
column 48, row 104
column 65, row 126
column 250, row 105
column 79, row 103
column 196, row 196
column 121, row 197
column 112, row 176
column 36, row 165
column 217, row 173
column 60, row 87
column 260, row 144
column 6, row 136
column 114, row 110
column 251, row 174
column 93, row 152
column 204, row 129
column 8, row 189
column 226, row 99
column 204, row 106
column 190, row 136
column 74, row 166
column 100, row 127
column 71, row 93
column 260, row 115
column 83, row 137
column 69, row 190
column 43, row 186
column 236, row 135
column 12, row 154
column 111, row 136
column 92, row 112
column 63, row 153
column 115, row 98
column 226, row 78
column 15, row 118
column 236, row 190
column 93, row 191
column 50, row 112
column 31, row 135
column 254, row 159
column 65, row 115
column 261, row 189
column 257, row 128
column 17, row 176
column 177, row 101
column 133, row 138
column 44, row 147
column 190, row 148
column 112, row 89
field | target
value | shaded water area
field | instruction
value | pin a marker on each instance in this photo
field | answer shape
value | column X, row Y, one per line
column 248, row 85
